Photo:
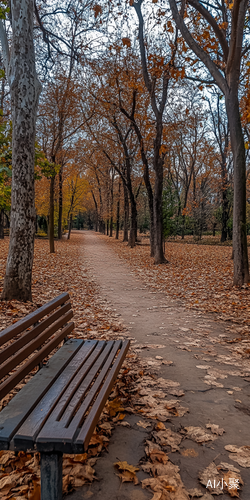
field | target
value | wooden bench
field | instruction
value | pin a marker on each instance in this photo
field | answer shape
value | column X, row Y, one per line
column 56, row 411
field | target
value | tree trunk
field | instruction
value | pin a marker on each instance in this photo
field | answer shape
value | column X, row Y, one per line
column 118, row 212
column 69, row 226
column 183, row 227
column 158, row 223
column 224, row 182
column 224, row 228
column 51, row 215
column 241, row 269
column 133, row 227
column 1, row 224
column 24, row 90
column 126, row 213
column 111, row 203
column 60, row 207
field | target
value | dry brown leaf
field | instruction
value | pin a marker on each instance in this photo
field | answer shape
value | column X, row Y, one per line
column 125, row 466
column 168, row 438
column 66, row 484
column 106, row 426
column 241, row 455
column 127, row 476
column 194, row 492
column 232, row 482
column 158, row 456
column 226, row 466
column 169, row 483
column 35, row 494
column 127, row 473
column 143, row 424
column 160, row 426
column 83, row 472
column 78, row 482
column 207, row 478
column 9, row 481
column 115, row 407
column 215, row 429
column 82, row 457
column 151, row 447
column 124, row 423
column 198, row 434
column 158, row 495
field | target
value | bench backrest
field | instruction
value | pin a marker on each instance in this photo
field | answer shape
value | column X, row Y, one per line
column 31, row 335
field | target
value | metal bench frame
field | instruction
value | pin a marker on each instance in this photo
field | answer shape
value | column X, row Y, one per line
column 57, row 410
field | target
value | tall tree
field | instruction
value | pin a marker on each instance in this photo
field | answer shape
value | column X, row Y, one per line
column 158, row 103
column 25, row 88
column 215, row 33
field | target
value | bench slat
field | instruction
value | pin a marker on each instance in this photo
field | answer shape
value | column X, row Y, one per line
column 56, row 437
column 34, row 344
column 53, row 426
column 26, row 435
column 79, row 417
column 12, row 381
column 18, row 409
column 83, row 378
column 86, row 431
column 32, row 318
column 27, row 337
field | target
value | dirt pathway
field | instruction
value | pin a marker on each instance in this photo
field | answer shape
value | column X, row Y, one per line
column 182, row 346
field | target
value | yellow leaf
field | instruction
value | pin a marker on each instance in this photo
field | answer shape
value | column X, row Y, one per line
column 125, row 466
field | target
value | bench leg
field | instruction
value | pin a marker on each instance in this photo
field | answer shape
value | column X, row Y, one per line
column 51, row 476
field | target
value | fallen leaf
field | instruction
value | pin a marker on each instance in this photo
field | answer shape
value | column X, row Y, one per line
column 207, row 477
column 194, row 492
column 168, row 438
column 198, row 434
column 241, row 455
column 143, row 424
column 232, row 481
column 215, row 429
column 158, row 456
column 127, row 472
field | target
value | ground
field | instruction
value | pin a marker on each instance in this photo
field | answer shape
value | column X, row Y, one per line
column 183, row 394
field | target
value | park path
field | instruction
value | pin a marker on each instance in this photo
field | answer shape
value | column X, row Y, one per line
column 217, row 392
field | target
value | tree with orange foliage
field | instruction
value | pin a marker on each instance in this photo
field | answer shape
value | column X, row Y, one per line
column 59, row 121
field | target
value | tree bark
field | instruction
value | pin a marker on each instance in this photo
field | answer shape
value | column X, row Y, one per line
column 51, row 215
column 1, row 224
column 133, row 222
column 118, row 212
column 224, row 228
column 126, row 213
column 111, row 203
column 158, row 222
column 60, row 207
column 241, row 269
column 69, row 226
column 25, row 89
